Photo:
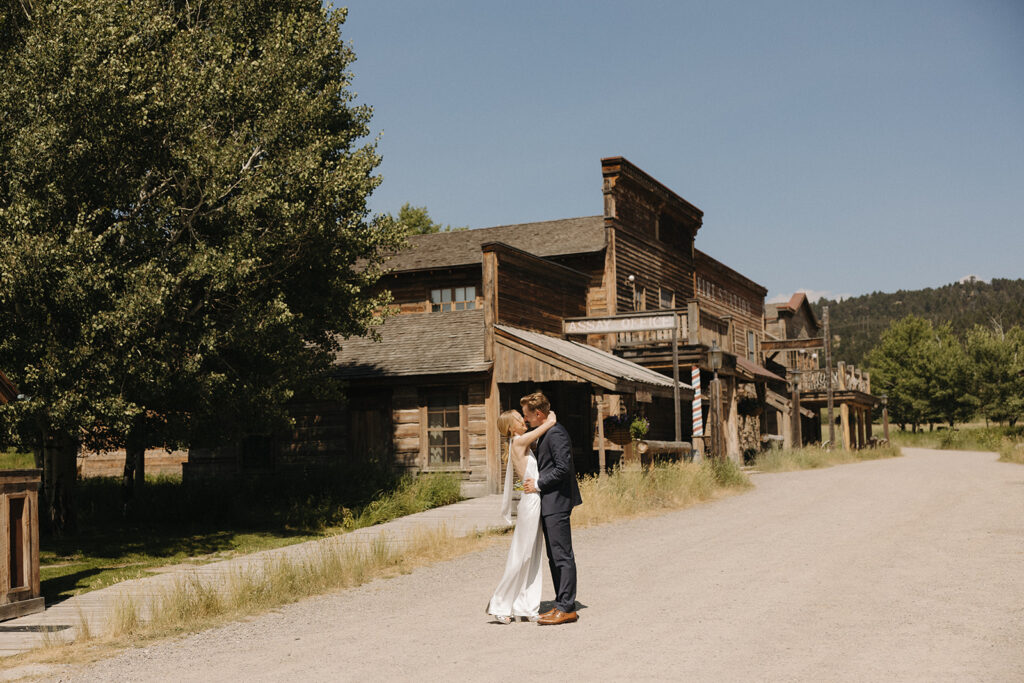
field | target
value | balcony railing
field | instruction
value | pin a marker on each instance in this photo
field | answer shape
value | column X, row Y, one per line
column 844, row 378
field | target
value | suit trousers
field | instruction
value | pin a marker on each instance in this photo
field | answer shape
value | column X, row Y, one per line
column 561, row 561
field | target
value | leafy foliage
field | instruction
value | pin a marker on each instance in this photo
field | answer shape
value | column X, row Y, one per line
column 183, row 220
column 931, row 376
column 416, row 220
column 857, row 323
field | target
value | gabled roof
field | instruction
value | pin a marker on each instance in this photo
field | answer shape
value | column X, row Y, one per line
column 589, row 360
column 417, row 344
column 462, row 247
column 793, row 305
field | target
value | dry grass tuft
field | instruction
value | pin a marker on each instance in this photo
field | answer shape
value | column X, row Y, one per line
column 636, row 492
column 790, row 460
column 1012, row 451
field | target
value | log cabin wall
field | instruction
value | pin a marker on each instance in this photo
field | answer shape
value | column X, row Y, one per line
column 653, row 230
column 725, row 293
column 411, row 290
column 411, row 429
column 536, row 293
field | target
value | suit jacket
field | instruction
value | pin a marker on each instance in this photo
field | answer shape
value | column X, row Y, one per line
column 559, row 490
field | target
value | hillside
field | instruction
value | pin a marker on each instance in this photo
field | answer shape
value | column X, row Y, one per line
column 858, row 322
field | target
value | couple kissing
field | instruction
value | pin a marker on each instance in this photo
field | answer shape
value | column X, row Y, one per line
column 550, row 491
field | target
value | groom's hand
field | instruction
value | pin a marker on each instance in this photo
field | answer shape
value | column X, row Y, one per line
column 530, row 486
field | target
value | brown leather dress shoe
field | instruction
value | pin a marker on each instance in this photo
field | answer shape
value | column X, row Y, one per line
column 558, row 617
column 548, row 613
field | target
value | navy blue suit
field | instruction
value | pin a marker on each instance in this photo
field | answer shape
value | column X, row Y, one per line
column 559, row 493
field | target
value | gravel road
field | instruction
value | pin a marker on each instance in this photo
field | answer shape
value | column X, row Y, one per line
column 909, row 569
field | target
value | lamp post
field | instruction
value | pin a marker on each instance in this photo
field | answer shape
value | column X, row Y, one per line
column 885, row 416
column 715, row 358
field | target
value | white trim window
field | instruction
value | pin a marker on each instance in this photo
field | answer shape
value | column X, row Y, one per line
column 452, row 299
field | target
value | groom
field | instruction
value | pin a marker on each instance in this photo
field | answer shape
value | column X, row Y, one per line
column 559, row 493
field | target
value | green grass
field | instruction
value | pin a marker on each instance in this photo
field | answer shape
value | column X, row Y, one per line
column 13, row 460
column 1007, row 441
column 171, row 523
column 788, row 460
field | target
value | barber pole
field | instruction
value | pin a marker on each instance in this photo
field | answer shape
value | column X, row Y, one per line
column 698, row 423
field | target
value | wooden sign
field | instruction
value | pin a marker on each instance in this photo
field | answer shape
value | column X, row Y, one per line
column 619, row 324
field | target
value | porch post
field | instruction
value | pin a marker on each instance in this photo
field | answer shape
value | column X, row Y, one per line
column 844, row 423
column 600, row 433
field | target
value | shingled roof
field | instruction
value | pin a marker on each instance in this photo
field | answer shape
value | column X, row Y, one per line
column 417, row 344
column 462, row 247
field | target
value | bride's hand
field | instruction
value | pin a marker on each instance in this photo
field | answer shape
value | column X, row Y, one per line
column 551, row 418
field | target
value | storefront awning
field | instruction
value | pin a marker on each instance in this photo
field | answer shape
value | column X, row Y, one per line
column 752, row 372
column 525, row 356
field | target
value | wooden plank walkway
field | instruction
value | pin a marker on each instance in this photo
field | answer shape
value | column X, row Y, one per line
column 96, row 608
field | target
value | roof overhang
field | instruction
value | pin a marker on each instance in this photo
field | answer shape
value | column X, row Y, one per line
column 572, row 361
column 752, row 372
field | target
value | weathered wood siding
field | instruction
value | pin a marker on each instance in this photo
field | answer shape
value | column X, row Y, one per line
column 653, row 230
column 535, row 293
column 725, row 293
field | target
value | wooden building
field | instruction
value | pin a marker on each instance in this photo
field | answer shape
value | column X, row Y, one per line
column 600, row 312
column 794, row 346
column 20, row 590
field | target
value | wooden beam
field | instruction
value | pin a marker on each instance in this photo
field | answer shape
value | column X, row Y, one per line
column 793, row 344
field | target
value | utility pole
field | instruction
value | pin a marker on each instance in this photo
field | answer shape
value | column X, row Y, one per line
column 828, row 378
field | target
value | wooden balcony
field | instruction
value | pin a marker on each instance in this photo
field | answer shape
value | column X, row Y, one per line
column 844, row 378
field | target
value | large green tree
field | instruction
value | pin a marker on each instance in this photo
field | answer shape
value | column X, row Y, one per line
column 183, row 220
column 996, row 361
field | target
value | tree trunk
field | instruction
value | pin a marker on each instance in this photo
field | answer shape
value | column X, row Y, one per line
column 57, row 502
column 134, row 469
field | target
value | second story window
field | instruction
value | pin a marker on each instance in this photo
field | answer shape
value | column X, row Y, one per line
column 751, row 347
column 666, row 298
column 452, row 299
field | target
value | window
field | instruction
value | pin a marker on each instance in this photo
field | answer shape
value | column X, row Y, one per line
column 452, row 299
column 444, row 433
column 751, row 347
column 666, row 298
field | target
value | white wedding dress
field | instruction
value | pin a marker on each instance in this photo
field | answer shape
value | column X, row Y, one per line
column 519, row 591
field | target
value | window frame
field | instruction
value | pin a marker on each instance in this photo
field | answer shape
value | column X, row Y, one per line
column 454, row 302
column 426, row 397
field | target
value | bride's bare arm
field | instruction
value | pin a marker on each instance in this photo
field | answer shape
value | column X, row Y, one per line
column 549, row 422
column 523, row 441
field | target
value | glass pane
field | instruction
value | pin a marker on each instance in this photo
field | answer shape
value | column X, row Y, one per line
column 435, row 418
column 436, row 455
column 435, row 296
column 460, row 293
column 471, row 304
column 460, row 305
column 446, row 295
column 434, row 308
column 470, row 293
column 451, row 418
column 451, row 438
column 446, row 307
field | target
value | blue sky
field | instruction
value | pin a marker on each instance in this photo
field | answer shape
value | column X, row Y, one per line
column 837, row 148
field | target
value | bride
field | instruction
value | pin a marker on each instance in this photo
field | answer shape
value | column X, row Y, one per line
column 518, row 593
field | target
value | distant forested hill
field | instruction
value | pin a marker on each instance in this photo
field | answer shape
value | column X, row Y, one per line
column 858, row 323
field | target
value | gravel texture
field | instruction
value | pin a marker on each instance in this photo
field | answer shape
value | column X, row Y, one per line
column 909, row 569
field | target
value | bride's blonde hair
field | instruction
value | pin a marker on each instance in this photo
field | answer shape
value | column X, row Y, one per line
column 506, row 421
